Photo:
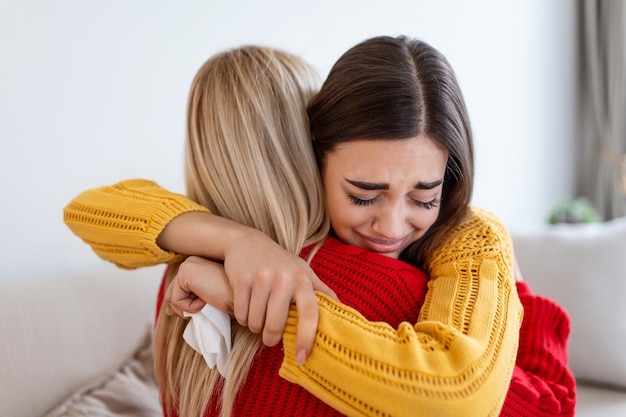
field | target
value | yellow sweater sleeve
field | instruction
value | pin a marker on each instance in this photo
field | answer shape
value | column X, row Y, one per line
column 456, row 360
column 122, row 222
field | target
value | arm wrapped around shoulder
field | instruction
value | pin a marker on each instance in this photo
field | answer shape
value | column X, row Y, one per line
column 456, row 360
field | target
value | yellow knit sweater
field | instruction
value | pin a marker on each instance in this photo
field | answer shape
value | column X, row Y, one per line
column 457, row 360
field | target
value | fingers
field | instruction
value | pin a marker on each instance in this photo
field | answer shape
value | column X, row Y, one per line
column 257, row 307
column 273, row 319
column 252, row 298
column 276, row 317
column 266, row 279
column 266, row 308
column 197, row 282
column 179, row 307
column 308, row 316
column 241, row 303
column 178, row 298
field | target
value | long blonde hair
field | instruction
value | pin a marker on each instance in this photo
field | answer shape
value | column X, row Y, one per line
column 249, row 158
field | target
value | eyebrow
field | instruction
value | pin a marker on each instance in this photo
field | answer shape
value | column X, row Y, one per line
column 371, row 186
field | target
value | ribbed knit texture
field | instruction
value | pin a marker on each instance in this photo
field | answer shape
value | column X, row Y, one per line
column 457, row 360
column 541, row 383
column 382, row 288
column 122, row 222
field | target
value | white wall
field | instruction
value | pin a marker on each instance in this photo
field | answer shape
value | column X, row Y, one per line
column 92, row 92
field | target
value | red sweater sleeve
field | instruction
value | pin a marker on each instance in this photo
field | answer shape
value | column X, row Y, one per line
column 542, row 384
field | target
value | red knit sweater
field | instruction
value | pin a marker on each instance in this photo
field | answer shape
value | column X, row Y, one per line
column 542, row 385
column 385, row 289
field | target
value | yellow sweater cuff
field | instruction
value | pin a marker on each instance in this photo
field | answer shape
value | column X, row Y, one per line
column 122, row 222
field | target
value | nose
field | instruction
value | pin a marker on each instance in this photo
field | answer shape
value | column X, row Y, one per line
column 391, row 221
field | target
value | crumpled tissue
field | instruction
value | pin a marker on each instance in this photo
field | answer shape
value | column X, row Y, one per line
column 208, row 333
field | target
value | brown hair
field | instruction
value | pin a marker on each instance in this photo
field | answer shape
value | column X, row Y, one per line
column 392, row 89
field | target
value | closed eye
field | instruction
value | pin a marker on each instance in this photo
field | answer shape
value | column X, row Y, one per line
column 360, row 201
column 428, row 205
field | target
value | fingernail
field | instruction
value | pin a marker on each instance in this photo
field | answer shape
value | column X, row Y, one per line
column 301, row 357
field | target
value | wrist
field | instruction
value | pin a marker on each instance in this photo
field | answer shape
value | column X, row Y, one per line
column 206, row 235
column 196, row 234
column 237, row 235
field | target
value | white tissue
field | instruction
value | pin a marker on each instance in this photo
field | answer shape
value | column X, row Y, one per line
column 208, row 333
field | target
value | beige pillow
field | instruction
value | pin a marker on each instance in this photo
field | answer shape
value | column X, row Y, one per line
column 128, row 390
column 583, row 267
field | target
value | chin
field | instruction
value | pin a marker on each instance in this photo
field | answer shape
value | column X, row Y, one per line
column 393, row 255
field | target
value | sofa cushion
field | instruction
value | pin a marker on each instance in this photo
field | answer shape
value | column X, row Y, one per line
column 128, row 390
column 62, row 332
column 599, row 402
column 583, row 267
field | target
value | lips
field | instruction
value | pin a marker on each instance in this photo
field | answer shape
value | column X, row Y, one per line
column 383, row 245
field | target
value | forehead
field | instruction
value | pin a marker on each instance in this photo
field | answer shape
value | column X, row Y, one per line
column 384, row 159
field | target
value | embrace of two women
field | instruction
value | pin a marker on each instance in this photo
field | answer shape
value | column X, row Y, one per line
column 334, row 224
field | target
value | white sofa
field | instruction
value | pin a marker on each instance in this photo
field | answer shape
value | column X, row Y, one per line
column 583, row 267
column 80, row 345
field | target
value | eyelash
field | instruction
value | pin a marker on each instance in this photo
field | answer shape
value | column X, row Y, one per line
column 360, row 202
column 428, row 205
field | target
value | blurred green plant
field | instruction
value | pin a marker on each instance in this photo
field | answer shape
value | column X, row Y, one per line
column 574, row 210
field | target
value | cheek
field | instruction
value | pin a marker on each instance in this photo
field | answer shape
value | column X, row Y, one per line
column 342, row 214
column 424, row 219
column 338, row 207
column 429, row 218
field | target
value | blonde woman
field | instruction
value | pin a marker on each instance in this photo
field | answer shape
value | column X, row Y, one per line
column 246, row 107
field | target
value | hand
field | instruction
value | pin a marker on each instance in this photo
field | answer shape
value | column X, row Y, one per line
column 197, row 282
column 266, row 279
